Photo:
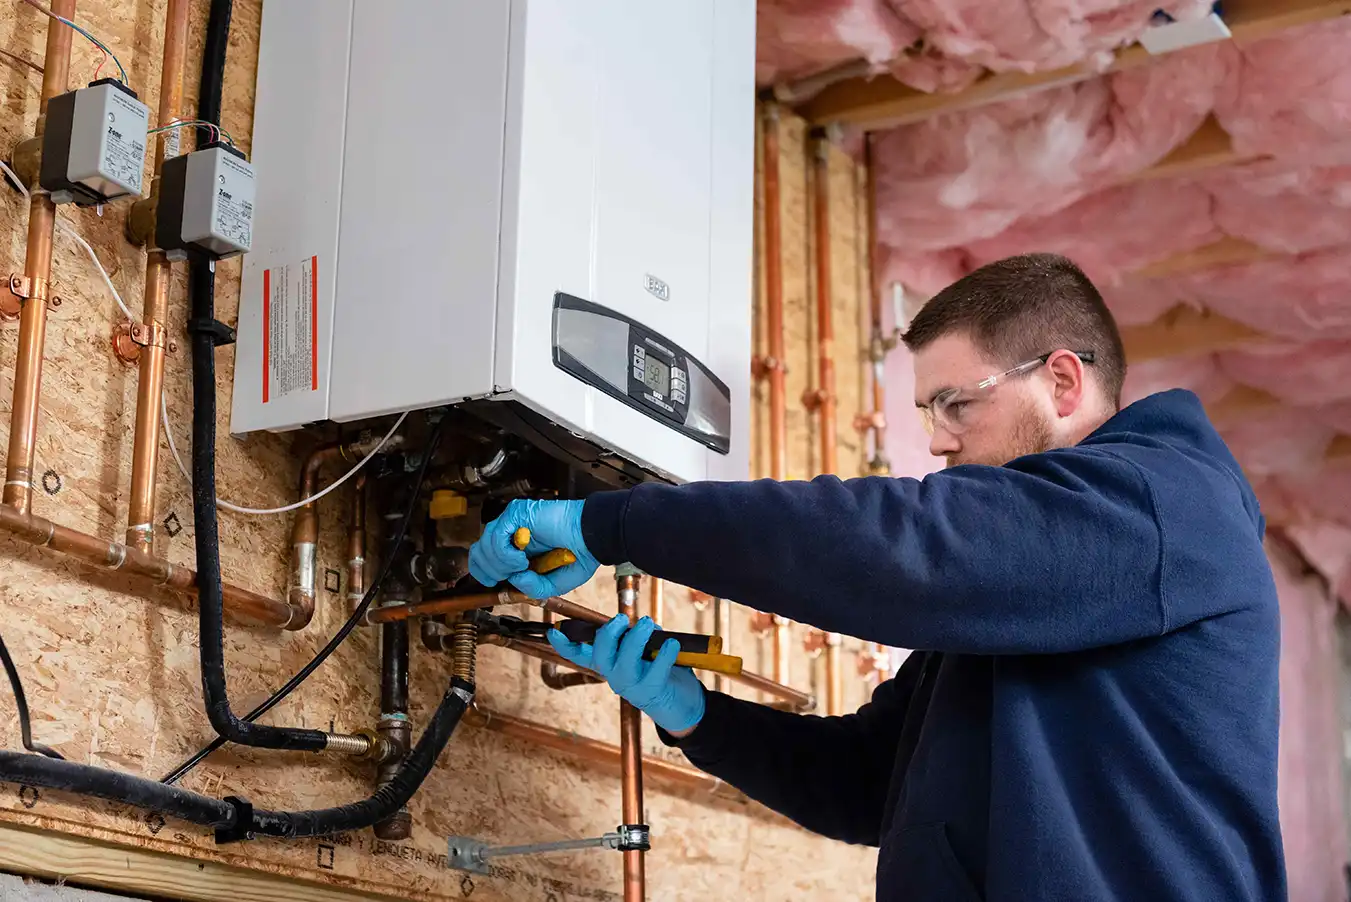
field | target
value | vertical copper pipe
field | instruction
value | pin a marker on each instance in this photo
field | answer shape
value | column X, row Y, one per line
column 631, row 756
column 656, row 600
column 305, row 534
column 37, row 268
column 150, row 385
column 774, row 339
column 775, row 345
column 356, row 544
column 824, row 399
column 877, row 345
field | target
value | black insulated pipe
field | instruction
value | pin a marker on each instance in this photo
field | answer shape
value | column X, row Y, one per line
column 101, row 783
column 204, row 341
column 388, row 800
column 398, row 590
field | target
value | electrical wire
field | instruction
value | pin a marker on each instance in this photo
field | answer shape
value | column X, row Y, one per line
column 286, row 508
column 95, row 41
column 212, row 128
column 358, row 615
column 21, row 702
column 164, row 407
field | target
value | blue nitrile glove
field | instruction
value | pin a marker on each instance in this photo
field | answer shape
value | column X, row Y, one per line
column 672, row 696
column 552, row 524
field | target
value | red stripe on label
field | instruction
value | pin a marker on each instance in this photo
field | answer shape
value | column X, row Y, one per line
column 314, row 323
column 267, row 329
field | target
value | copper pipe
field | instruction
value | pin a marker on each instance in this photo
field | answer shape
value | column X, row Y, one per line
column 594, row 751
column 795, row 700
column 356, row 544
column 823, row 399
column 834, row 676
column 879, row 465
column 722, row 627
column 240, row 604
column 305, row 534
column 631, row 755
column 150, row 385
column 656, row 600
column 37, row 268
column 533, row 650
column 551, row 676
column 775, row 339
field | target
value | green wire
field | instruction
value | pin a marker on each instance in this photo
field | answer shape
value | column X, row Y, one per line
column 194, row 123
column 99, row 44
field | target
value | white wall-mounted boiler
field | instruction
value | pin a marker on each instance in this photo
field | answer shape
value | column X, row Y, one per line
column 539, row 207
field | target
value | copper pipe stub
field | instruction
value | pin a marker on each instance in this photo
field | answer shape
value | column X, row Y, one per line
column 872, row 420
column 124, row 348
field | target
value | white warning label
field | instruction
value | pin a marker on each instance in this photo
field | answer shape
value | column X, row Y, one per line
column 124, row 141
column 290, row 329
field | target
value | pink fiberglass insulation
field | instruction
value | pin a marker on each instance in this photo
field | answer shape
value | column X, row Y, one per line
column 1282, row 208
column 802, row 37
column 1310, row 783
column 1198, row 374
column 1113, row 232
column 1300, row 298
column 1281, row 440
column 1136, row 301
column 1324, row 493
column 1036, row 35
column 925, row 273
column 1300, row 374
column 1291, row 96
column 969, row 175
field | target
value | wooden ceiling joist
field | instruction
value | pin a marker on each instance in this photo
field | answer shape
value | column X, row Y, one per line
column 1220, row 253
column 1183, row 331
column 1209, row 147
column 1240, row 402
column 882, row 101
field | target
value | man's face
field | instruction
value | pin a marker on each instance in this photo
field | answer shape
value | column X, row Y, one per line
column 1014, row 418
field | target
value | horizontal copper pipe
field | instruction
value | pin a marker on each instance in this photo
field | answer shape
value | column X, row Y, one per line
column 799, row 701
column 240, row 604
column 537, row 650
column 594, row 751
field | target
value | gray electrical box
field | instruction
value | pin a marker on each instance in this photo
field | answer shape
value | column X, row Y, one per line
column 94, row 144
column 206, row 204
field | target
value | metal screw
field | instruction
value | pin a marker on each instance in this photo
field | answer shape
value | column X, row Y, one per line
column 56, row 301
column 173, row 347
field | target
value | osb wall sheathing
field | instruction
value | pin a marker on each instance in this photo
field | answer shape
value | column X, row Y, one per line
column 112, row 672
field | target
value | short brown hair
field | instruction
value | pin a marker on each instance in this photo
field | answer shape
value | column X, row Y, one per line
column 1019, row 308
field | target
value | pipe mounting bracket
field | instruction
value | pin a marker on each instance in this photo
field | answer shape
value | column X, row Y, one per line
column 26, row 288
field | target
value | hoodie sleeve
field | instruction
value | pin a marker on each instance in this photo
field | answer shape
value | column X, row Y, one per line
column 1054, row 552
column 827, row 774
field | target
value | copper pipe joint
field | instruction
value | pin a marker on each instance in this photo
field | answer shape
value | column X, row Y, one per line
column 240, row 604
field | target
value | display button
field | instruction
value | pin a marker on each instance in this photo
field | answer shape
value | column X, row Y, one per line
column 639, row 352
column 638, row 373
column 638, row 362
column 677, row 373
column 678, row 396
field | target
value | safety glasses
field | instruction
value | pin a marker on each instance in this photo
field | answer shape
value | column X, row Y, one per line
column 953, row 410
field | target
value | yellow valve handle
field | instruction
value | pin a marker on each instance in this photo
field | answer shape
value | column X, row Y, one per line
column 549, row 560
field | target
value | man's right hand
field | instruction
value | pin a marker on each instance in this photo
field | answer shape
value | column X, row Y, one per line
column 672, row 696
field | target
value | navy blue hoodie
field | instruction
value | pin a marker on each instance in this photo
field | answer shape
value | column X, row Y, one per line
column 1092, row 709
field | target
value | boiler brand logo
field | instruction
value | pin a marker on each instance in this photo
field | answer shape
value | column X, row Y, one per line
column 657, row 288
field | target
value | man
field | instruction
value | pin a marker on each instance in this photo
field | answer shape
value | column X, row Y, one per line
column 1093, row 710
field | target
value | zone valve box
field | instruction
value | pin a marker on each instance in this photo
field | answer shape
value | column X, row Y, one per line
column 93, row 146
column 205, row 204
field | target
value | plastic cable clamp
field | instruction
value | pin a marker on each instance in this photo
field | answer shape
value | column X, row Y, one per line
column 220, row 333
column 242, row 826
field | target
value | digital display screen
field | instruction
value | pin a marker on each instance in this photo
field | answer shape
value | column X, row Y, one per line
column 657, row 376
